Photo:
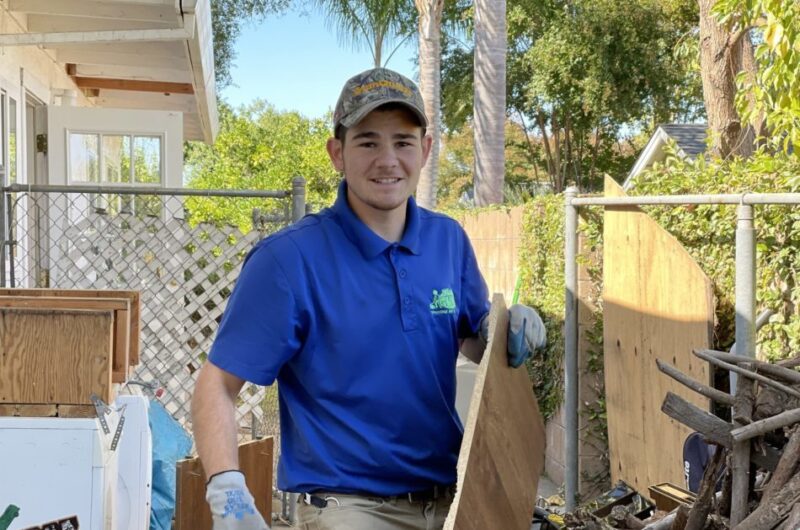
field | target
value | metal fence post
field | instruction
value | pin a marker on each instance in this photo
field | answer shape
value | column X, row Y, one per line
column 571, row 347
column 298, row 198
column 745, row 345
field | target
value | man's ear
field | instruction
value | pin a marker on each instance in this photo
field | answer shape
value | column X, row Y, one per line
column 334, row 148
column 427, row 142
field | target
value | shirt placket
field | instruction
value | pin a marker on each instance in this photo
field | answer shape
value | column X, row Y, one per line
column 408, row 314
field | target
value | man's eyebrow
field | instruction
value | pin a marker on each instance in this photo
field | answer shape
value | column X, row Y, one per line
column 365, row 134
column 396, row 136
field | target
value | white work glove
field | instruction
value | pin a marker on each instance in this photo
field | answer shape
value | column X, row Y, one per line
column 526, row 333
column 232, row 506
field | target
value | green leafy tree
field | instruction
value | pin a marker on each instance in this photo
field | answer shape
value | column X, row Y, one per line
column 772, row 92
column 582, row 76
column 259, row 148
column 374, row 23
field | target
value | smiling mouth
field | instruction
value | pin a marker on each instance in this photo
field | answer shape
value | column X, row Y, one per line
column 386, row 180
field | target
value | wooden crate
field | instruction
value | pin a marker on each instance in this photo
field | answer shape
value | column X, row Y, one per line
column 55, row 356
column 126, row 317
column 133, row 296
column 191, row 508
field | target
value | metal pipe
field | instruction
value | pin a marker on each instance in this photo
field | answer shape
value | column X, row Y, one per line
column 141, row 190
column 298, row 198
column 727, row 198
column 571, row 347
column 745, row 345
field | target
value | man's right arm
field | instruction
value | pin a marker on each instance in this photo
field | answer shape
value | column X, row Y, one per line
column 214, row 419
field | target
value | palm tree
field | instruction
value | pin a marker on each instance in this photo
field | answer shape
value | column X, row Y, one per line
column 430, row 58
column 374, row 23
column 490, row 101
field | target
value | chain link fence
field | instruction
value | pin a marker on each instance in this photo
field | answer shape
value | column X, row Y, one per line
column 172, row 245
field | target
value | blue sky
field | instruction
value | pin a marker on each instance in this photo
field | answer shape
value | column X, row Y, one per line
column 296, row 63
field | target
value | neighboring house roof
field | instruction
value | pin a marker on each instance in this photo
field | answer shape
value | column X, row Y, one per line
column 137, row 54
column 689, row 137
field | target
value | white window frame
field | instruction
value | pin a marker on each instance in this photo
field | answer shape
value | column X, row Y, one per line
column 101, row 162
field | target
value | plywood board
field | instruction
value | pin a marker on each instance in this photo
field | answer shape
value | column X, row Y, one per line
column 502, row 454
column 55, row 357
column 657, row 304
column 122, row 307
column 255, row 461
column 132, row 296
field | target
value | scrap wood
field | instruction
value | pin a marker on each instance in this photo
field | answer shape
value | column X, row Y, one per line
column 778, row 371
column 786, row 466
column 702, row 354
column 698, row 514
column 740, row 453
column 713, row 428
column 764, row 426
column 772, row 510
column 793, row 522
column 705, row 390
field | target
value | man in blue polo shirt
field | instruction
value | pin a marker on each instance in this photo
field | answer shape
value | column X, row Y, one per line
column 359, row 313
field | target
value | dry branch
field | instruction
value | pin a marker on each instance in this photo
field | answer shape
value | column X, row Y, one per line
column 786, row 466
column 702, row 506
column 775, row 508
column 747, row 373
column 700, row 388
column 767, row 425
column 793, row 522
column 775, row 370
column 713, row 428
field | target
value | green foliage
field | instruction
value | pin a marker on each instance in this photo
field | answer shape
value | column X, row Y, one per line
column 259, row 148
column 774, row 92
column 584, row 74
column 371, row 23
column 542, row 287
column 708, row 234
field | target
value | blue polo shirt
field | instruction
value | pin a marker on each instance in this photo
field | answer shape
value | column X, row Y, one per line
column 362, row 337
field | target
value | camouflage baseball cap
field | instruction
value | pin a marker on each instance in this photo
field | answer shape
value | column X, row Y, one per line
column 368, row 90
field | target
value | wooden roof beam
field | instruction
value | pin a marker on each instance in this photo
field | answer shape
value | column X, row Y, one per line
column 132, row 85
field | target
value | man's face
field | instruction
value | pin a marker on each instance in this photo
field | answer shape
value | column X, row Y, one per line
column 381, row 160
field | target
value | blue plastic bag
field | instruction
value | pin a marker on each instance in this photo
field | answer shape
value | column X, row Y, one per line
column 170, row 444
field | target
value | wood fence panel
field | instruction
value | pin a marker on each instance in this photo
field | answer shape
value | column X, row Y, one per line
column 502, row 454
column 496, row 237
column 55, row 357
column 657, row 304
column 255, row 461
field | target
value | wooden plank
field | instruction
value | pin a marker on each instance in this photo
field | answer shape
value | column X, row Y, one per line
column 255, row 461
column 135, row 308
column 162, row 87
column 28, row 410
column 55, row 357
column 657, row 304
column 502, row 454
column 76, row 411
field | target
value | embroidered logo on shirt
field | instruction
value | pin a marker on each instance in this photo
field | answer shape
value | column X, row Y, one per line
column 443, row 302
column 237, row 505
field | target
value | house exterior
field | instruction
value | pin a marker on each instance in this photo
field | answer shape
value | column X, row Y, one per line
column 690, row 139
column 103, row 91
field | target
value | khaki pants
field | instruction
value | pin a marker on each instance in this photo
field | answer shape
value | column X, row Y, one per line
column 353, row 512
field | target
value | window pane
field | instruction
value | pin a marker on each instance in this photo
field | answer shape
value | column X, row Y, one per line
column 84, row 157
column 117, row 158
column 147, row 159
column 12, row 140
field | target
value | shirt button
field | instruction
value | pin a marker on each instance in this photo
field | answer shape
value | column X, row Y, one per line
column 402, row 273
column 407, row 300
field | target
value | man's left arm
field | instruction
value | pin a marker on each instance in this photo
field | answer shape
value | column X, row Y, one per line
column 526, row 334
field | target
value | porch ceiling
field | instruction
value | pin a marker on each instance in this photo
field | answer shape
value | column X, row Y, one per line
column 136, row 54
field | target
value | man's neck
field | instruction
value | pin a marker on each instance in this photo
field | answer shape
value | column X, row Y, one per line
column 389, row 225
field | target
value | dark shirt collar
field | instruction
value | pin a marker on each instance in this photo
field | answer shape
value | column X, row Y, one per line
column 368, row 242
